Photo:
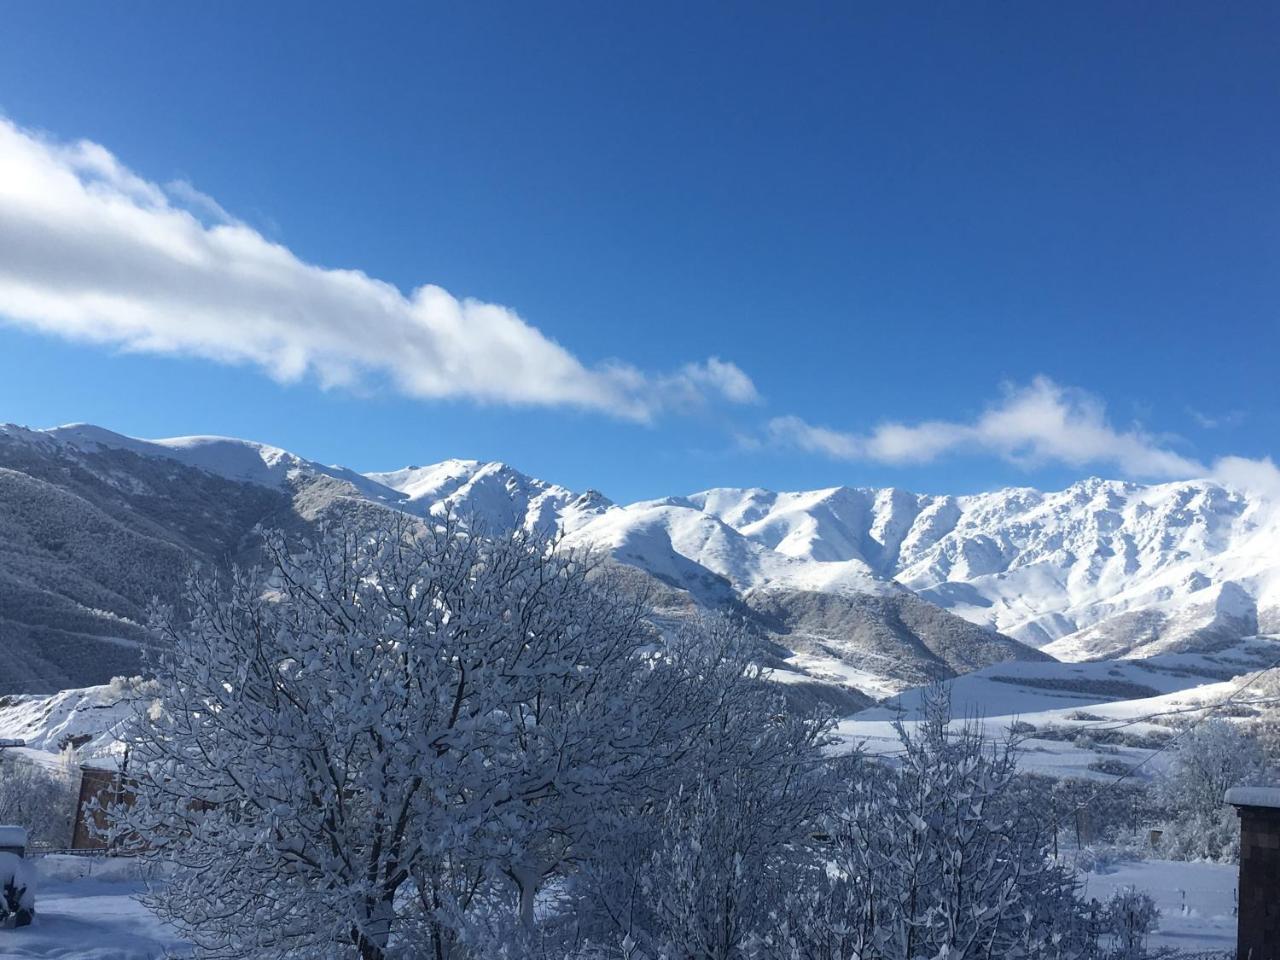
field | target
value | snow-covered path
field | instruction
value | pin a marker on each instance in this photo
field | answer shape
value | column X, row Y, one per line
column 85, row 910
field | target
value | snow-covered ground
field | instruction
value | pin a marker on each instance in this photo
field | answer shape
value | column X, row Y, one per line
column 807, row 667
column 85, row 910
column 1196, row 900
column 1078, row 703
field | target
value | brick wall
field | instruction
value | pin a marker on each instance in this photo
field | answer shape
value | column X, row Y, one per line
column 97, row 788
column 1259, row 936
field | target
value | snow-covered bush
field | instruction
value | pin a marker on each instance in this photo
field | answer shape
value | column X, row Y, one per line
column 1265, row 728
column 42, row 800
column 1111, row 766
column 1096, row 857
column 1090, row 814
column 17, row 891
column 1190, row 835
column 1128, row 918
column 121, row 688
column 937, row 858
column 1207, row 762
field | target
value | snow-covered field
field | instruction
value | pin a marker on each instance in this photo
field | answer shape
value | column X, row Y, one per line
column 1079, row 704
column 1196, row 900
column 85, row 910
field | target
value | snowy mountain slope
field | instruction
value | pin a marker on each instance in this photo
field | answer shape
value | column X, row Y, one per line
column 832, row 525
column 1101, row 569
column 841, row 624
column 880, row 644
column 87, row 719
column 243, row 461
column 494, row 492
column 91, row 534
column 1045, row 566
column 202, row 497
column 74, row 583
column 665, row 536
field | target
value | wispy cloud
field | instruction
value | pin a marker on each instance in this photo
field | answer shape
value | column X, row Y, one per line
column 1216, row 421
column 720, row 377
column 1039, row 423
column 93, row 252
column 201, row 204
column 1260, row 477
column 798, row 433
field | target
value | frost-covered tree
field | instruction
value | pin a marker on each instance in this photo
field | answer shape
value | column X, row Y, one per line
column 697, row 868
column 935, row 858
column 41, row 799
column 1206, row 762
column 386, row 733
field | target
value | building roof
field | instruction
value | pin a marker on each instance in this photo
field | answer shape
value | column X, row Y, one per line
column 1254, row 796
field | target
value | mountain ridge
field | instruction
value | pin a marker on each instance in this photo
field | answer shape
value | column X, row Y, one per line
column 1100, row 569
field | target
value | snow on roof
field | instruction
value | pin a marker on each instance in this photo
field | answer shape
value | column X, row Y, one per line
column 1254, row 796
column 13, row 836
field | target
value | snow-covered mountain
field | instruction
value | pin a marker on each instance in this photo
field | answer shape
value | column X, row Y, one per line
column 495, row 492
column 872, row 588
column 1102, row 569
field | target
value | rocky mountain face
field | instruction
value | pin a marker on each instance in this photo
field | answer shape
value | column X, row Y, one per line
column 862, row 592
column 1102, row 569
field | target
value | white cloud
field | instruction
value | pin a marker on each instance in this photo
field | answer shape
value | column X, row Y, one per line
column 793, row 431
column 721, row 377
column 92, row 252
column 1261, row 477
column 1039, row 423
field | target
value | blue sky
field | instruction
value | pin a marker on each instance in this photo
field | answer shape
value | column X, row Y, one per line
column 944, row 247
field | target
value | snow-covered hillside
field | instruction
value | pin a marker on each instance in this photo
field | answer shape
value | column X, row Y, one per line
column 245, row 461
